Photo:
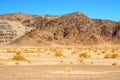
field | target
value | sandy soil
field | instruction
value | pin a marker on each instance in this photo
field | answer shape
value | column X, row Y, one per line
column 60, row 72
column 93, row 55
column 60, row 63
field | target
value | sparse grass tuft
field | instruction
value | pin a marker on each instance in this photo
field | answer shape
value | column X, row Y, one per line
column 112, row 55
column 18, row 57
column 74, row 52
column 58, row 54
column 84, row 55
column 80, row 60
column 114, row 63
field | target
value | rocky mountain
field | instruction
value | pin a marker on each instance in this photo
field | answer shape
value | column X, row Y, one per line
column 69, row 29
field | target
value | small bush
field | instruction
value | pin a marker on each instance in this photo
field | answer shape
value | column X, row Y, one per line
column 58, row 54
column 114, row 63
column 80, row 60
column 84, row 55
column 74, row 52
column 18, row 57
column 112, row 55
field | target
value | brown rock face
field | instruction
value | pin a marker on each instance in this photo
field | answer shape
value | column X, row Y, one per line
column 69, row 29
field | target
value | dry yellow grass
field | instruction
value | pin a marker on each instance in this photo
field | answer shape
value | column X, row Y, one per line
column 58, row 54
column 84, row 55
column 112, row 55
column 18, row 57
column 65, row 54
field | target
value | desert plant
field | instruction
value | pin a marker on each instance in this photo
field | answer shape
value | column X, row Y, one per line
column 61, row 61
column 18, row 57
column 84, row 55
column 81, row 60
column 114, row 63
column 9, row 51
column 74, row 52
column 112, row 55
column 103, row 52
column 58, row 54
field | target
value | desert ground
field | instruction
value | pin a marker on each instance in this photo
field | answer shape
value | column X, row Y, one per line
column 60, row 72
column 60, row 63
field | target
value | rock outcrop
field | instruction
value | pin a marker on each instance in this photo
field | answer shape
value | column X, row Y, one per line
column 69, row 29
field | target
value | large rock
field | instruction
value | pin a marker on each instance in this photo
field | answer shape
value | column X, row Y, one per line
column 10, row 31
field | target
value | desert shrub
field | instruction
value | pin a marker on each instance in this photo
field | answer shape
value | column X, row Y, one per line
column 61, row 61
column 84, row 55
column 81, row 60
column 9, row 51
column 112, row 55
column 103, row 52
column 18, row 57
column 58, row 54
column 74, row 52
column 114, row 63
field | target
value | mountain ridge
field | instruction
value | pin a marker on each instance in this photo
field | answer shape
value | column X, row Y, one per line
column 69, row 29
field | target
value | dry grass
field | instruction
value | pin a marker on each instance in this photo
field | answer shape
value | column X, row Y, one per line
column 115, row 63
column 84, row 55
column 58, row 54
column 112, row 55
column 18, row 57
column 65, row 54
column 81, row 60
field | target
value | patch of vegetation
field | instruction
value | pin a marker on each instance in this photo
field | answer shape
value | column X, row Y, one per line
column 18, row 57
column 81, row 60
column 114, row 63
column 84, row 55
column 103, row 52
column 58, row 54
column 112, row 55
column 74, row 52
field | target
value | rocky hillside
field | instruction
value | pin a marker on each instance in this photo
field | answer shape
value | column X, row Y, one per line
column 69, row 29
